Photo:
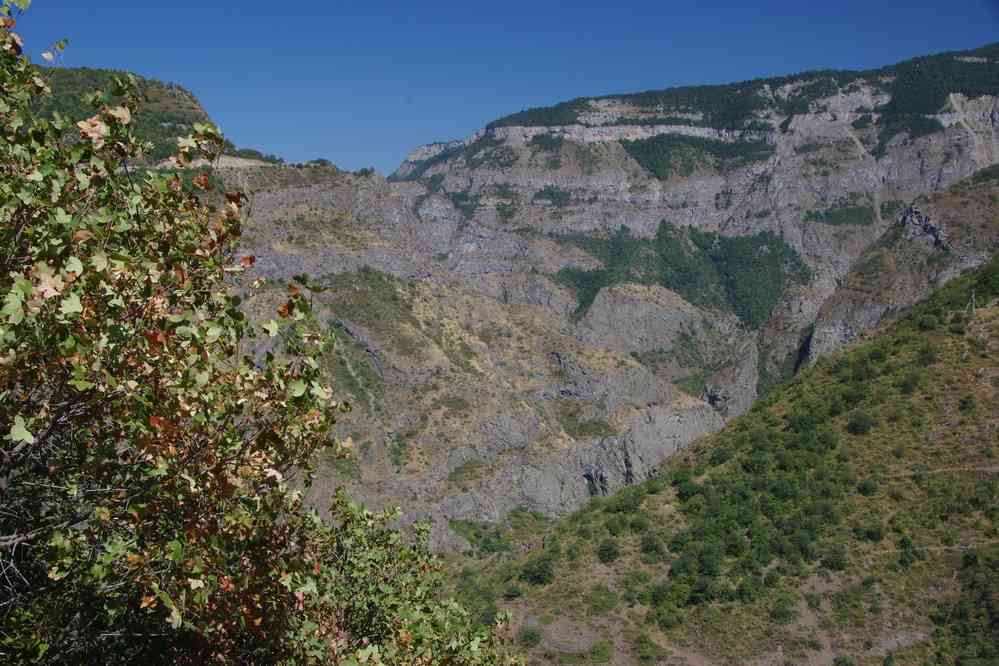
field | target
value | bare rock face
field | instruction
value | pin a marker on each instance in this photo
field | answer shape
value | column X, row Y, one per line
column 486, row 377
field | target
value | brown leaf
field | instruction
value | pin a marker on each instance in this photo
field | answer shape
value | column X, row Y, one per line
column 247, row 261
column 82, row 235
column 285, row 309
column 159, row 423
column 121, row 114
column 202, row 181
column 94, row 129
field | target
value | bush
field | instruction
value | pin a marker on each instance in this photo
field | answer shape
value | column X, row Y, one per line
column 928, row 323
column 867, row 487
column 910, row 382
column 608, row 551
column 860, row 423
column 539, row 570
column 835, row 558
column 512, row 592
column 927, row 355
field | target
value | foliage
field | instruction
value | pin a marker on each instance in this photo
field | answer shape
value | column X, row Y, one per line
column 506, row 210
column 145, row 455
column 465, row 202
column 667, row 155
column 565, row 113
column 554, row 195
column 968, row 623
column 608, row 551
column 168, row 111
column 253, row 154
column 546, row 143
column 843, row 215
column 746, row 274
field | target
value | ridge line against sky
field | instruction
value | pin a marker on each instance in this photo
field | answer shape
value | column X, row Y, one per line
column 363, row 83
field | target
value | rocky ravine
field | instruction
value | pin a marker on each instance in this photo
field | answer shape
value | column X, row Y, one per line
column 484, row 377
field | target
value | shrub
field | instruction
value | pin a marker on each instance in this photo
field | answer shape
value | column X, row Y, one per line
column 910, row 382
column 867, row 487
column 928, row 322
column 529, row 637
column 539, row 570
column 860, row 423
column 927, row 355
column 608, row 551
column 512, row 592
column 835, row 558
column 554, row 195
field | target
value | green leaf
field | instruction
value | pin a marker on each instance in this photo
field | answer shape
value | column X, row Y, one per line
column 272, row 328
column 74, row 265
column 71, row 305
column 297, row 388
column 19, row 431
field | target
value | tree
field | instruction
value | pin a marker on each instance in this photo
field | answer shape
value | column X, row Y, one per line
column 145, row 454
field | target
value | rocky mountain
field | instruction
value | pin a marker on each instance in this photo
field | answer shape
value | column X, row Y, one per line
column 848, row 518
column 544, row 311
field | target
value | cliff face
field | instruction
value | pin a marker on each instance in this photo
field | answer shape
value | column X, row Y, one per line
column 545, row 310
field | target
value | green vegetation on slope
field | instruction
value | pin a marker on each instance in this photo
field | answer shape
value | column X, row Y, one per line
column 168, row 111
column 745, row 274
column 843, row 215
column 667, row 155
column 918, row 88
column 843, row 504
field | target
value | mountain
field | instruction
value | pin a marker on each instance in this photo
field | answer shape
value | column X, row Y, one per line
column 542, row 313
column 848, row 518
column 601, row 347
column 168, row 111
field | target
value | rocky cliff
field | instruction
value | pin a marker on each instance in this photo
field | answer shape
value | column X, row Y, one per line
column 545, row 310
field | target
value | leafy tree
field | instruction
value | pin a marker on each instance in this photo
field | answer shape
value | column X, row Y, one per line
column 145, row 456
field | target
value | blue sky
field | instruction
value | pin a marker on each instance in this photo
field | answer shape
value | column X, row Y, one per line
column 362, row 83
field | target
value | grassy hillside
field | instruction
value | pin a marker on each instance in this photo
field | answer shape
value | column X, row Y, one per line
column 169, row 111
column 850, row 518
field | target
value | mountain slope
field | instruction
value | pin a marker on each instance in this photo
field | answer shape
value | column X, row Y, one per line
column 539, row 315
column 823, row 160
column 850, row 515
column 168, row 111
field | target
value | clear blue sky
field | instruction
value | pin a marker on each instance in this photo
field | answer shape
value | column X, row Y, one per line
column 361, row 83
